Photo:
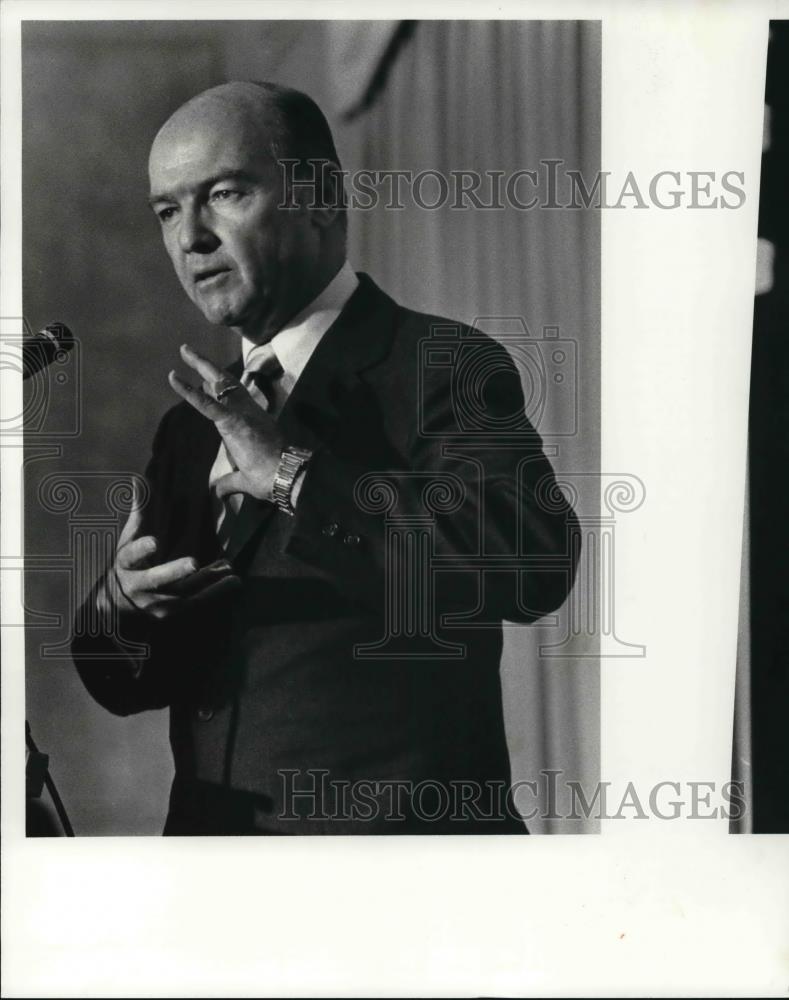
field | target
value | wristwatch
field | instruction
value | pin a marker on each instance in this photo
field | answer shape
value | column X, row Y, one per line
column 291, row 462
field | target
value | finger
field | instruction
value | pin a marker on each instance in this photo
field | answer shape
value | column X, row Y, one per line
column 210, row 389
column 239, row 399
column 200, row 400
column 136, row 553
column 233, row 482
column 204, row 577
column 165, row 574
column 205, row 368
column 134, row 520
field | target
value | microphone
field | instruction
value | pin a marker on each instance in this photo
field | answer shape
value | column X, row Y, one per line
column 42, row 349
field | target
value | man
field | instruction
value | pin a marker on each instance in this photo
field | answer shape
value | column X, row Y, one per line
column 320, row 571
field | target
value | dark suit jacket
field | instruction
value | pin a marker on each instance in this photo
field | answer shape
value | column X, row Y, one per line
column 359, row 666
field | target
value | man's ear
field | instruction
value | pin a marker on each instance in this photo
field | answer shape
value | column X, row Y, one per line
column 329, row 198
column 325, row 217
column 322, row 193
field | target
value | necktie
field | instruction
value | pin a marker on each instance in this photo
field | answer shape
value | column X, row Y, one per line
column 235, row 518
column 263, row 378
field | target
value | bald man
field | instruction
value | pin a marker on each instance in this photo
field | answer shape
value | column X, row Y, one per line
column 319, row 571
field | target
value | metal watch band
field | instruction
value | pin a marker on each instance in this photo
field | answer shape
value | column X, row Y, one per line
column 291, row 462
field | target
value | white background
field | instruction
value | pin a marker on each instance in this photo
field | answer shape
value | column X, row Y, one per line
column 648, row 908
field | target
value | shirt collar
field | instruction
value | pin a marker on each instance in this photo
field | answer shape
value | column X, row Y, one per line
column 295, row 342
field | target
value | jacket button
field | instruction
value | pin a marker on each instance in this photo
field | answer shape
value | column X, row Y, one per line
column 205, row 714
column 352, row 540
column 330, row 530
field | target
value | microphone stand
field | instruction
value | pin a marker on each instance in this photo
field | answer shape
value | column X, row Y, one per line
column 38, row 776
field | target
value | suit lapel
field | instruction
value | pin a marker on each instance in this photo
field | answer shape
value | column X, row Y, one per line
column 360, row 336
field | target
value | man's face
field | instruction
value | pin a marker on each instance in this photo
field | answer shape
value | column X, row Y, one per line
column 216, row 191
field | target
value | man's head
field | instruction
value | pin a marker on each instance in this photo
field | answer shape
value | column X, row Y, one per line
column 249, row 251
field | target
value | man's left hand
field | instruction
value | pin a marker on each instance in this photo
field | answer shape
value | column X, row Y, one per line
column 251, row 435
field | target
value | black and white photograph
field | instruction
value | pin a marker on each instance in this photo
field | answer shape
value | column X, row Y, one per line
column 392, row 448
column 333, row 291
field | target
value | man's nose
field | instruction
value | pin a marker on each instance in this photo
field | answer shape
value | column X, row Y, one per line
column 194, row 236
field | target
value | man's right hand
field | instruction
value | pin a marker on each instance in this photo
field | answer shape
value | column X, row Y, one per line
column 137, row 585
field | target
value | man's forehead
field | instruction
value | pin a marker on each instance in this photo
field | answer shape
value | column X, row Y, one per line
column 199, row 139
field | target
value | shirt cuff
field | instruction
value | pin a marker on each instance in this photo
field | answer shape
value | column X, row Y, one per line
column 298, row 482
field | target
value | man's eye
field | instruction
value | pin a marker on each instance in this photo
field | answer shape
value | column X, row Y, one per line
column 165, row 214
column 225, row 194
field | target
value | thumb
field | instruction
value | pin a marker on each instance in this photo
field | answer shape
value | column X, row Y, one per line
column 134, row 521
column 233, row 482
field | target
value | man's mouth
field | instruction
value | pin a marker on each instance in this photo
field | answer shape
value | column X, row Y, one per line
column 203, row 277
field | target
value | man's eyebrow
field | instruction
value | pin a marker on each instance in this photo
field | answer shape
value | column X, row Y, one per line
column 231, row 174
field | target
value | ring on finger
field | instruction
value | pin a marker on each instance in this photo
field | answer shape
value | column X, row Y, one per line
column 224, row 387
